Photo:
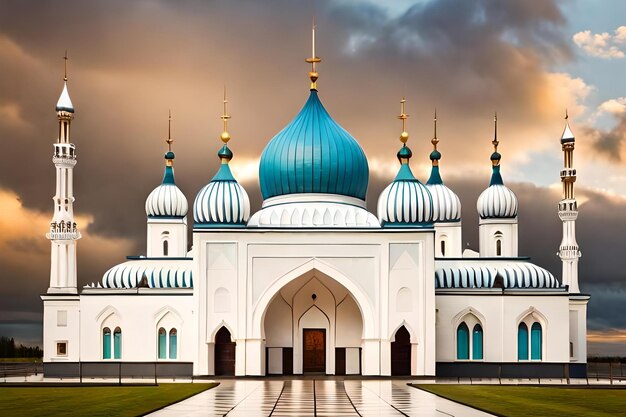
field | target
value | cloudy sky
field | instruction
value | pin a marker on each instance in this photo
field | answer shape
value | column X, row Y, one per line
column 132, row 61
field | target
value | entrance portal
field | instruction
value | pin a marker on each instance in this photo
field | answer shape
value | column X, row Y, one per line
column 224, row 353
column 401, row 353
column 314, row 355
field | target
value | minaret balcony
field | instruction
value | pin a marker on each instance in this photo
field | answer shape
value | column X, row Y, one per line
column 63, row 235
column 568, row 172
column 568, row 215
column 64, row 161
column 570, row 254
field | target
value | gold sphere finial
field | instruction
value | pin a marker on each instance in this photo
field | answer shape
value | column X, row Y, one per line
column 434, row 140
column 65, row 58
column 495, row 141
column 404, row 136
column 313, row 75
column 225, row 136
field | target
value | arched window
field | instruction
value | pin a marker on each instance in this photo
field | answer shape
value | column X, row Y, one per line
column 106, row 343
column 522, row 342
column 477, row 342
column 499, row 247
column 117, row 343
column 173, row 343
column 165, row 247
column 162, row 344
column 462, row 342
column 443, row 248
column 535, row 341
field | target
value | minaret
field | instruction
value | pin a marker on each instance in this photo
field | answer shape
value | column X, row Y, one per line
column 63, row 232
column 568, row 212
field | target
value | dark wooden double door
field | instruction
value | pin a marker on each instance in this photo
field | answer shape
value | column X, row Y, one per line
column 314, row 350
column 224, row 353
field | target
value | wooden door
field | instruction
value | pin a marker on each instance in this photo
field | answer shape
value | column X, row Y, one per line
column 224, row 353
column 340, row 361
column 314, row 350
column 401, row 353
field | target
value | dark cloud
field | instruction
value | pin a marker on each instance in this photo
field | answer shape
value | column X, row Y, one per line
column 609, row 142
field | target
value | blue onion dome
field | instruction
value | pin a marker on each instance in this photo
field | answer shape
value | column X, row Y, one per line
column 406, row 201
column 223, row 201
column 313, row 154
column 167, row 200
column 497, row 201
column 446, row 204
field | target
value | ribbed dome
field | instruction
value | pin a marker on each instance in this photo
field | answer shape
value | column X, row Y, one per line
column 222, row 201
column 405, row 202
column 446, row 204
column 497, row 201
column 167, row 200
column 313, row 154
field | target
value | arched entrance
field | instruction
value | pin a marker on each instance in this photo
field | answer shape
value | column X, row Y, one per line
column 224, row 353
column 401, row 353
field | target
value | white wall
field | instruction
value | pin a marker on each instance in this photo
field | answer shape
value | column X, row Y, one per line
column 172, row 230
column 487, row 241
column 56, row 330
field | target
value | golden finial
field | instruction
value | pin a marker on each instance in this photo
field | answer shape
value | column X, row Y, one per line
column 495, row 142
column 225, row 116
column 65, row 69
column 313, row 75
column 169, row 139
column 404, row 136
column 566, row 115
column 434, row 140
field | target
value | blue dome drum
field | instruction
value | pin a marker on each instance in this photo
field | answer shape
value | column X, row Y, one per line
column 313, row 154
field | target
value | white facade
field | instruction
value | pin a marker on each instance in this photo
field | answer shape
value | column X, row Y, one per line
column 314, row 282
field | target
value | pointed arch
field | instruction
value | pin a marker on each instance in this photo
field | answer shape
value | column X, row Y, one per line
column 105, row 313
column 407, row 326
column 218, row 328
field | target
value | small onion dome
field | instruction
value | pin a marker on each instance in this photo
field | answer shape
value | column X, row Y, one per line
column 65, row 103
column 497, row 201
column 406, row 201
column 222, row 201
column 446, row 204
column 568, row 135
column 167, row 200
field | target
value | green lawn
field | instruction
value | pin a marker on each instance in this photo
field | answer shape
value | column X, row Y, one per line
column 524, row 401
column 93, row 401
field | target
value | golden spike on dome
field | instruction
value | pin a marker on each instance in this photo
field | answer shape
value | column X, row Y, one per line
column 225, row 136
column 404, row 136
column 434, row 140
column 169, row 139
column 495, row 141
column 65, row 69
column 566, row 115
column 313, row 75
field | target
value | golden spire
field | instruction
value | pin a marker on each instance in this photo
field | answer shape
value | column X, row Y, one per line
column 313, row 75
column 225, row 116
column 65, row 69
column 566, row 115
column 495, row 141
column 434, row 140
column 404, row 136
column 169, row 139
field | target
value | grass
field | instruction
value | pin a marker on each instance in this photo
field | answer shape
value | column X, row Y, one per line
column 93, row 401
column 524, row 401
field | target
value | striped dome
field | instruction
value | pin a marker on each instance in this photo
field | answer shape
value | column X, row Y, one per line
column 222, row 201
column 167, row 200
column 405, row 202
column 446, row 204
column 313, row 154
column 497, row 201
column 157, row 273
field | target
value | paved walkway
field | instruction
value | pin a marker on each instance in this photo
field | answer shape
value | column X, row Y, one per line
column 316, row 398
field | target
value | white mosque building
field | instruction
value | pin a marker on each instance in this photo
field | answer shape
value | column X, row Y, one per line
column 314, row 282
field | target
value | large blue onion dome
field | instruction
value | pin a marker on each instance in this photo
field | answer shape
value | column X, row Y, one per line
column 497, row 201
column 446, row 204
column 167, row 200
column 313, row 154
column 222, row 202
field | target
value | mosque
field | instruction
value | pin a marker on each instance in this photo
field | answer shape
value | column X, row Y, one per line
column 314, row 282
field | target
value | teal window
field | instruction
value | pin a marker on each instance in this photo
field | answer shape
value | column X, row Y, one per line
column 522, row 342
column 173, row 343
column 162, row 343
column 462, row 341
column 535, row 341
column 477, row 342
column 117, row 343
column 106, row 343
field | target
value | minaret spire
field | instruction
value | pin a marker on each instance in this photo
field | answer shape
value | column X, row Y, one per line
column 314, row 59
column 63, row 232
column 568, row 212
column 225, row 154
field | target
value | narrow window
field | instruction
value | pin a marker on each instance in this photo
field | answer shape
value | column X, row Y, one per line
column 106, row 343
column 165, row 247
column 162, row 343
column 522, row 342
column 173, row 343
column 535, row 341
column 571, row 349
column 477, row 342
column 61, row 348
column 117, row 343
column 462, row 342
column 498, row 247
column 443, row 248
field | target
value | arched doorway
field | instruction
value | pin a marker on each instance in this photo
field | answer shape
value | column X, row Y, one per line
column 401, row 353
column 224, row 353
